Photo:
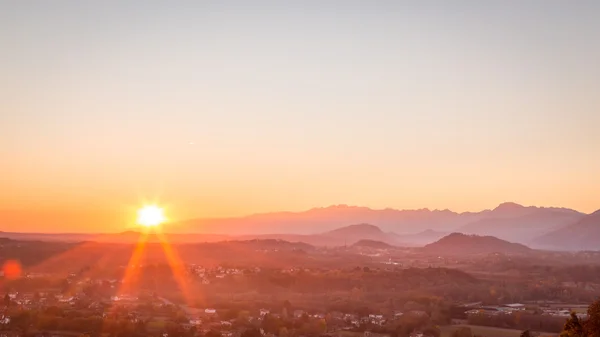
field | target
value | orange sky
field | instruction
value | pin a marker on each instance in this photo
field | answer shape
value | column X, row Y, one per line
column 230, row 110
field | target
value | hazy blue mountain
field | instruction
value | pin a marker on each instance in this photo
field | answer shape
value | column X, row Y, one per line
column 581, row 235
column 521, row 224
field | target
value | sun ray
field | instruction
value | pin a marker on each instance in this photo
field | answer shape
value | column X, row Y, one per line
column 132, row 269
column 177, row 267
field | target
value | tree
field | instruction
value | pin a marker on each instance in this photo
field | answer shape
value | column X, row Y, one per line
column 526, row 333
column 573, row 327
column 356, row 294
column 432, row 331
column 440, row 314
column 463, row 332
column 174, row 329
column 254, row 332
column 271, row 324
column 287, row 309
column 214, row 333
column 400, row 331
column 243, row 316
column 140, row 327
column 320, row 326
column 592, row 325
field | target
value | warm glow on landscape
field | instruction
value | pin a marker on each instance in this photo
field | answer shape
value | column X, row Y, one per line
column 150, row 216
column 299, row 169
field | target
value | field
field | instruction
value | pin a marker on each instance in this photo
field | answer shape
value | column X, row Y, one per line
column 447, row 330
column 486, row 331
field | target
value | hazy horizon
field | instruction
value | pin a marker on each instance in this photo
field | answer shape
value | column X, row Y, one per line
column 167, row 227
column 224, row 110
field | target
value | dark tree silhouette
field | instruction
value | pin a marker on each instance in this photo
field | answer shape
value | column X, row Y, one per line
column 433, row 332
column 526, row 333
column 213, row 333
column 573, row 327
column 254, row 332
column 592, row 324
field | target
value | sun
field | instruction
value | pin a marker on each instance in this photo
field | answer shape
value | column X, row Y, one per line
column 150, row 216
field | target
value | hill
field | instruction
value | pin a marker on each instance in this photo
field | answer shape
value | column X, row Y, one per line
column 422, row 238
column 41, row 256
column 372, row 244
column 342, row 236
column 461, row 244
column 347, row 235
column 61, row 237
column 516, row 223
column 354, row 233
column 358, row 230
column 581, row 235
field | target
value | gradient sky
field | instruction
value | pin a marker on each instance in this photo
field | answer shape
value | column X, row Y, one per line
column 227, row 108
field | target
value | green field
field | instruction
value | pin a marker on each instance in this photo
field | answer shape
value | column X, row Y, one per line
column 486, row 331
column 349, row 334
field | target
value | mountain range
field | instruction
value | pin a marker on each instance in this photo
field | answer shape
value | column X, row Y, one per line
column 516, row 223
column 509, row 221
column 581, row 235
column 328, row 218
column 537, row 227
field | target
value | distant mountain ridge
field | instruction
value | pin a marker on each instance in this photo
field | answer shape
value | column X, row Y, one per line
column 329, row 226
column 581, row 235
column 328, row 218
column 317, row 220
column 516, row 223
column 509, row 221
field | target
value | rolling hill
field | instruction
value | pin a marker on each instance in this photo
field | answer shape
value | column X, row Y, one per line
column 372, row 244
column 342, row 236
column 346, row 235
column 357, row 232
column 422, row 238
column 463, row 244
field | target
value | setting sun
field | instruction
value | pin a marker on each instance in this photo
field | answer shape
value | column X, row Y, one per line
column 150, row 216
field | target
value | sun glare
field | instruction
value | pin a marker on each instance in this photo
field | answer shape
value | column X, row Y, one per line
column 150, row 216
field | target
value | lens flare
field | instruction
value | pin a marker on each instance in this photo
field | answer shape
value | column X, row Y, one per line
column 12, row 269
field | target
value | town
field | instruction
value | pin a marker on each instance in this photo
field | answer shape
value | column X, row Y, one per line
column 379, row 298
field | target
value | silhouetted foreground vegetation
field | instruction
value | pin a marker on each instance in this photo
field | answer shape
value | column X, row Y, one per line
column 584, row 327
